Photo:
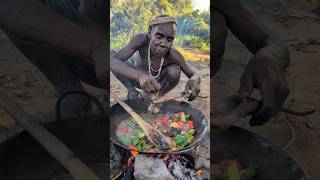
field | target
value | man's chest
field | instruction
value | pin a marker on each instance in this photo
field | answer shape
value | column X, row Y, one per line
column 143, row 61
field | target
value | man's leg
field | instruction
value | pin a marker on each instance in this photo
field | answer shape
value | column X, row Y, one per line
column 169, row 78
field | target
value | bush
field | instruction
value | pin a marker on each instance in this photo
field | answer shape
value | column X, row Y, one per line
column 194, row 42
column 187, row 56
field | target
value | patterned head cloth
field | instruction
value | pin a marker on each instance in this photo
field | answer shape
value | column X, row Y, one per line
column 162, row 19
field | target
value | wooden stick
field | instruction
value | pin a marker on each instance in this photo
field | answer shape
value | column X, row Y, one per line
column 56, row 148
column 147, row 128
column 135, row 116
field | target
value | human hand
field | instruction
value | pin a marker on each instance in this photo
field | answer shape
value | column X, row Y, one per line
column 193, row 85
column 265, row 73
column 148, row 84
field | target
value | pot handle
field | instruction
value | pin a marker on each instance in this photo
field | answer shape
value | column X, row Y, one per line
column 133, row 91
column 89, row 96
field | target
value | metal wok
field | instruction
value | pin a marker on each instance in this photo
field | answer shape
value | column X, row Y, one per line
column 140, row 105
column 22, row 157
column 272, row 162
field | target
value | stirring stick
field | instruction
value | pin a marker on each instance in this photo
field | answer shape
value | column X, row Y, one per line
column 154, row 135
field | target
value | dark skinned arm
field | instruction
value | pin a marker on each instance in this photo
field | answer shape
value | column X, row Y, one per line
column 32, row 22
column 117, row 64
column 117, row 60
column 265, row 70
column 253, row 34
column 193, row 83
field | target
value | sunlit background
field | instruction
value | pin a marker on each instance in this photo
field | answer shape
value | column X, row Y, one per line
column 201, row 4
column 131, row 17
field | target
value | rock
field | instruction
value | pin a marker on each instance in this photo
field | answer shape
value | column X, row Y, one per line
column 203, row 148
column 115, row 160
column 150, row 168
column 201, row 162
column 181, row 171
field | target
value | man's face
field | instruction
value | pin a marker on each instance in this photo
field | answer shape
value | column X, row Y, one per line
column 162, row 36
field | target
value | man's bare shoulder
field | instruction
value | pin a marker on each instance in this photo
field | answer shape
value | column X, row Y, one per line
column 175, row 55
column 138, row 40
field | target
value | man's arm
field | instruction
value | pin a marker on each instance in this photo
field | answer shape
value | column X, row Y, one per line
column 117, row 60
column 146, row 82
column 250, row 31
column 193, row 83
column 179, row 59
column 32, row 22
column 265, row 70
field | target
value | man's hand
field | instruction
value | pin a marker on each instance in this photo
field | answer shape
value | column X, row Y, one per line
column 148, row 84
column 193, row 85
column 265, row 73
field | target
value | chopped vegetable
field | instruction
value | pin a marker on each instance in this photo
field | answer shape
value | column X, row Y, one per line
column 187, row 117
column 191, row 132
column 233, row 170
column 248, row 173
column 180, row 125
column 165, row 120
column 132, row 148
column 179, row 139
column 141, row 134
column 190, row 124
column 177, row 127
column 124, row 140
column 228, row 162
column 187, row 141
column 174, row 125
column 135, row 141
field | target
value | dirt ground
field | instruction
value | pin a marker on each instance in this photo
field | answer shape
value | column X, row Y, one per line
column 293, row 21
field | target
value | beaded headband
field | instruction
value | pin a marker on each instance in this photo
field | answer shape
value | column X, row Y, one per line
column 162, row 20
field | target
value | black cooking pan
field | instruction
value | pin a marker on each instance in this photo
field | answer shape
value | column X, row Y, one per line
column 23, row 158
column 272, row 162
column 140, row 105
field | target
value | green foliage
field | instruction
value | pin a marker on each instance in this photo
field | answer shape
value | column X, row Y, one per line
column 131, row 17
column 187, row 55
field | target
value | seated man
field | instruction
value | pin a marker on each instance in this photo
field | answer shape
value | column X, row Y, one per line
column 157, row 65
column 265, row 70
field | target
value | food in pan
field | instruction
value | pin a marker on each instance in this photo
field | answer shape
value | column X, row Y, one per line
column 177, row 127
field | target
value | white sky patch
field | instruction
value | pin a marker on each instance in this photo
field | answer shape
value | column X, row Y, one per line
column 201, row 4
